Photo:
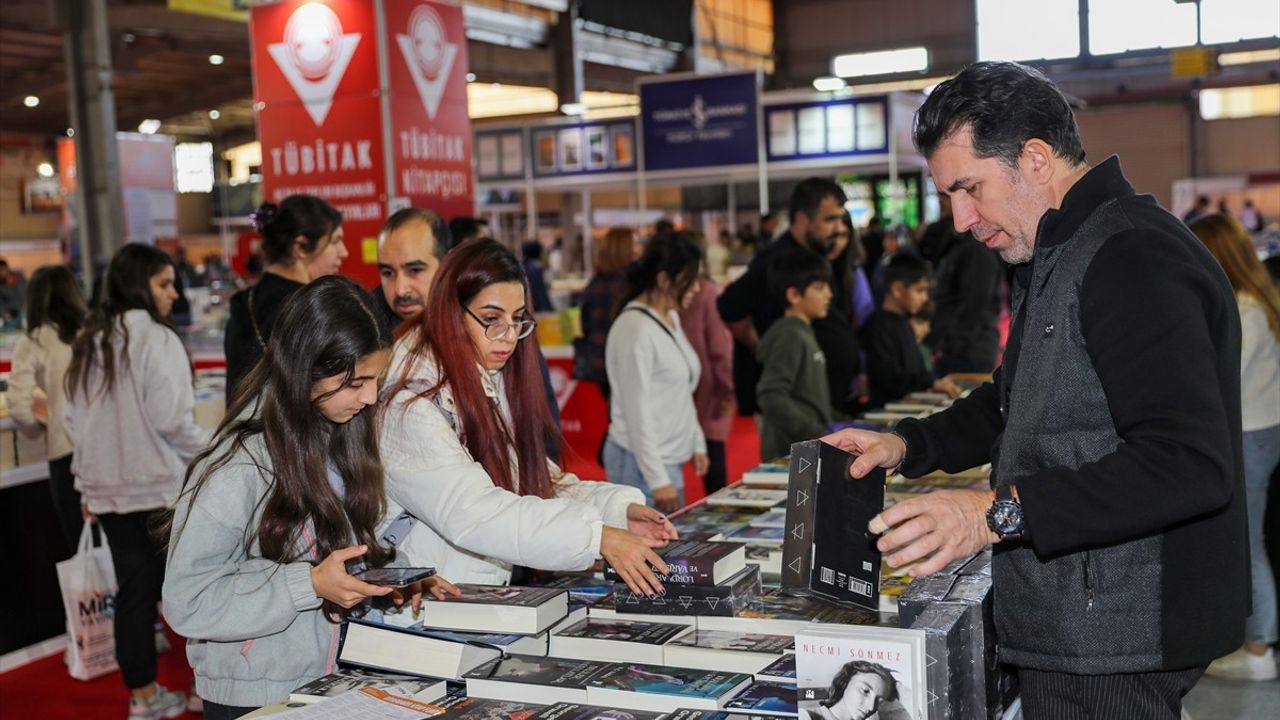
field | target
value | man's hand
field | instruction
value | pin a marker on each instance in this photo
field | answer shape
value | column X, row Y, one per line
column 940, row 526
column 872, row 448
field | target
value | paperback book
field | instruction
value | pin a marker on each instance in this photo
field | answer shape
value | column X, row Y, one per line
column 461, row 707
column 828, row 549
column 724, row 599
column 740, row 496
column 695, row 562
column 727, row 650
column 497, row 608
column 756, row 535
column 861, row 668
column 662, row 688
column 406, row 650
column 781, row 671
column 766, row 699
column 615, row 640
column 347, row 679
column 786, row 612
column 578, row 711
column 543, row 680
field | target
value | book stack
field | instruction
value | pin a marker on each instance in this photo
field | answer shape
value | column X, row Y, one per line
column 744, row 497
column 616, row 640
column 874, row 664
column 727, row 650
column 705, row 578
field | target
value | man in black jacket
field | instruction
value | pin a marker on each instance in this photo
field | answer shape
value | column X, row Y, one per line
column 1113, row 426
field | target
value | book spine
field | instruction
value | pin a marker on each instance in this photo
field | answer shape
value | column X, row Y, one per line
column 797, row 545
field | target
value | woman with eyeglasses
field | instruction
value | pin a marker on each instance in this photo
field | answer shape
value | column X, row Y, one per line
column 464, row 444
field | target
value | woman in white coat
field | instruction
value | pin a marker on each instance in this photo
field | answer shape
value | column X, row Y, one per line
column 464, row 443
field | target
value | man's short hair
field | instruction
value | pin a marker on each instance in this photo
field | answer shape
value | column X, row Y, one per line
column 796, row 268
column 465, row 227
column 1004, row 104
column 809, row 194
column 404, row 216
column 906, row 268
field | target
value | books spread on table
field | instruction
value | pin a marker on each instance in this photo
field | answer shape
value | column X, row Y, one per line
column 756, row 535
column 698, row 600
column 690, row 714
column 784, row 612
column 777, row 517
column 768, row 558
column 766, row 699
column 497, row 609
column 347, row 679
column 663, row 688
column 695, row 562
column 578, row 711
column 782, row 670
column 771, row 474
column 461, row 707
column 616, row 640
column 828, row 548
column 522, row 678
column 369, row 703
column 513, row 643
column 878, row 660
column 407, row 650
column 742, row 496
column 727, row 650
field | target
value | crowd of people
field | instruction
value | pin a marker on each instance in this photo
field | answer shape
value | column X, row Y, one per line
column 415, row 424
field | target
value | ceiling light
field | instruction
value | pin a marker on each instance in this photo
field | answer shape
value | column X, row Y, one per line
column 828, row 84
column 216, row 59
column 31, row 101
column 1249, row 57
column 576, row 108
column 884, row 62
column 471, row 77
column 214, row 114
column 44, row 170
column 71, row 132
column 149, row 126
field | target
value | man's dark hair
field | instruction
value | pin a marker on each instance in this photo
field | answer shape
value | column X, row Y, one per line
column 810, row 193
column 906, row 268
column 404, row 216
column 1004, row 104
column 465, row 227
column 531, row 250
column 796, row 268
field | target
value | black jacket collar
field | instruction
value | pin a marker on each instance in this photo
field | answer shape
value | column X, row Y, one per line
column 1102, row 183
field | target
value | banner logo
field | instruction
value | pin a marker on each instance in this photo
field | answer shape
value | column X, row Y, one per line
column 429, row 55
column 314, row 56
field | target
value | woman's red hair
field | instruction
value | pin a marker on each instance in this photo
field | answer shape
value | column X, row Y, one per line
column 442, row 331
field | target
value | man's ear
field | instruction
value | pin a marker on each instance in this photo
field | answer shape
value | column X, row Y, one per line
column 1037, row 160
column 793, row 295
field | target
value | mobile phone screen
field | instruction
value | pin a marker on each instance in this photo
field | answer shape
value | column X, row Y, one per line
column 395, row 577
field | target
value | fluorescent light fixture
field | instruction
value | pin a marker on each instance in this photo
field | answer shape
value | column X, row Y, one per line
column 1240, row 102
column 1249, row 57
column 149, row 126
column 214, row 114
column 31, row 101
column 573, row 108
column 884, row 62
column 44, row 170
column 216, row 59
column 828, row 84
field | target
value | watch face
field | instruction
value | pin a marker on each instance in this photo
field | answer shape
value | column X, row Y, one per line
column 1005, row 518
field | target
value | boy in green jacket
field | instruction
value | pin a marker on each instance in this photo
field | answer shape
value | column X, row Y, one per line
column 794, row 401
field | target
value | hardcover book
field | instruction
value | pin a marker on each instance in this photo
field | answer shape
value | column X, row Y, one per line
column 522, row 678
column 766, row 699
column 405, row 650
column 828, row 548
column 662, row 688
column 578, row 711
column 497, row 608
column 615, row 640
column 697, row 600
column 348, row 679
column 695, row 562
column 727, row 650
column 871, row 663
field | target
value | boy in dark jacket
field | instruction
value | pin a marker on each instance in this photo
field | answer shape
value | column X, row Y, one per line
column 794, row 399
column 895, row 365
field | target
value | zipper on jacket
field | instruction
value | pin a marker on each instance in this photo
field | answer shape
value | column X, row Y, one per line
column 1088, row 582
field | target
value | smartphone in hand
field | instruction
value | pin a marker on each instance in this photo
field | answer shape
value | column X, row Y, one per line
column 395, row 577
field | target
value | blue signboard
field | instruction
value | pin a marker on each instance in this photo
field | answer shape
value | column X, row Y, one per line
column 827, row 128
column 698, row 122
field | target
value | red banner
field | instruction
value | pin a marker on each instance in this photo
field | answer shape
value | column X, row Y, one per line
column 430, row 127
column 315, row 69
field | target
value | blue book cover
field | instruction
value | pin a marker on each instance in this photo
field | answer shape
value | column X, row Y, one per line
column 766, row 697
column 661, row 680
column 781, row 670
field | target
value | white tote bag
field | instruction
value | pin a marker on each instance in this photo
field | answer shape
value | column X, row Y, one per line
column 88, row 582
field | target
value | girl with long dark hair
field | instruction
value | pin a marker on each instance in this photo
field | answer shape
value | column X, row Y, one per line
column 288, row 495
column 301, row 240
column 653, row 370
column 55, row 312
column 465, row 443
column 130, row 417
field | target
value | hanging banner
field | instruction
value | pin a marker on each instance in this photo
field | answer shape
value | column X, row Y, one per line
column 700, row 121
column 315, row 69
column 426, row 64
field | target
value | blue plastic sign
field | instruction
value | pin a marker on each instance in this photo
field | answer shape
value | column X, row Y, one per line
column 697, row 122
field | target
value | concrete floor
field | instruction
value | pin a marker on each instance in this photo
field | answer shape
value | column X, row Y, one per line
column 1234, row 700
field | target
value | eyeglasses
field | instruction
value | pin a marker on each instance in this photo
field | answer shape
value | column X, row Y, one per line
column 498, row 328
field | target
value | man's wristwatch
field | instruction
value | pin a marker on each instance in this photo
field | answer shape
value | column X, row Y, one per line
column 1004, row 517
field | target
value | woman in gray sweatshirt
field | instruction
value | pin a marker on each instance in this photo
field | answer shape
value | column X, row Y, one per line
column 282, row 505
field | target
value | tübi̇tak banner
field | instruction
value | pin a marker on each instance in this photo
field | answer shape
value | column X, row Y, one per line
column 323, row 114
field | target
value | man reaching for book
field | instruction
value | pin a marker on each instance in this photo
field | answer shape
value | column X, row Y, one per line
column 1113, row 426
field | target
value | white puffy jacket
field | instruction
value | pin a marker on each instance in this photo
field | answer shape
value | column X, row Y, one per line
column 467, row 527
